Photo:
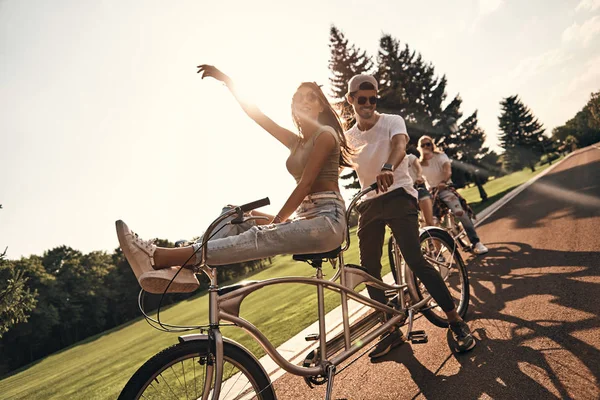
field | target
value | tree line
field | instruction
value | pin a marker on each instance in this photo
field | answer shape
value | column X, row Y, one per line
column 583, row 129
column 52, row 301
column 410, row 87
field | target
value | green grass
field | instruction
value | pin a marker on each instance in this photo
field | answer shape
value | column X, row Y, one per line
column 99, row 367
column 496, row 188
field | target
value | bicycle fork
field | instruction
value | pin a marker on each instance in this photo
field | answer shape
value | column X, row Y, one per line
column 214, row 362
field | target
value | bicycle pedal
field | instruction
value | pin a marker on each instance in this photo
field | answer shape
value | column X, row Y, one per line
column 313, row 337
column 418, row 337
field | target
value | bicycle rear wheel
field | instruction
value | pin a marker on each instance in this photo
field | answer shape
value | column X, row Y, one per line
column 441, row 252
column 179, row 372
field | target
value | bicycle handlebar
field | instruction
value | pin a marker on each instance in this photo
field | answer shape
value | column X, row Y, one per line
column 255, row 204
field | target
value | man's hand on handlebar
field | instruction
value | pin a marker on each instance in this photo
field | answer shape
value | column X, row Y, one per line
column 442, row 186
column 385, row 179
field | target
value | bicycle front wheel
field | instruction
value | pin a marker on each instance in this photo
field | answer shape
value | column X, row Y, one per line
column 179, row 372
column 441, row 252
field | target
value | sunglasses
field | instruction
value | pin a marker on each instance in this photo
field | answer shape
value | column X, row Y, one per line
column 362, row 100
column 311, row 97
column 426, row 144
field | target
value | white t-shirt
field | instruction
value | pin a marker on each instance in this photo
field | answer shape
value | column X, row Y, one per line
column 372, row 149
column 412, row 171
column 434, row 170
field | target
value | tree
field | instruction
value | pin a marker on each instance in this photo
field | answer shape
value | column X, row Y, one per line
column 345, row 61
column 465, row 146
column 408, row 87
column 521, row 136
column 17, row 301
column 584, row 126
column 570, row 143
column 353, row 177
column 594, row 108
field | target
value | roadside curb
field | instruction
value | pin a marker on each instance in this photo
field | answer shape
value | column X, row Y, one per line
column 297, row 347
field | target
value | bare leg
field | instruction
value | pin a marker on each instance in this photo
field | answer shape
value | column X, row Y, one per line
column 167, row 257
column 427, row 208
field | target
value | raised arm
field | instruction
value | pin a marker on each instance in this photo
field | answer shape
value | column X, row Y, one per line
column 285, row 136
column 322, row 148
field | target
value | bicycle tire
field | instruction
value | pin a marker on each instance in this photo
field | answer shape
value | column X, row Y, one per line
column 418, row 292
column 145, row 382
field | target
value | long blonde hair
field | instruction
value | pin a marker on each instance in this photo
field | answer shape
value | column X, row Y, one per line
column 434, row 147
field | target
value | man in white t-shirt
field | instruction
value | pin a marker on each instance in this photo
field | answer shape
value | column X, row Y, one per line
column 438, row 171
column 379, row 143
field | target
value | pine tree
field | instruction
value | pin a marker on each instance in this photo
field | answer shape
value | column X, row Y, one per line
column 408, row 87
column 346, row 60
column 522, row 134
column 445, row 138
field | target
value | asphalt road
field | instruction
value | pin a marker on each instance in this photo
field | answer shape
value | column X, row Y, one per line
column 535, row 305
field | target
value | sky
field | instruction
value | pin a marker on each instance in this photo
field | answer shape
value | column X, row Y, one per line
column 103, row 116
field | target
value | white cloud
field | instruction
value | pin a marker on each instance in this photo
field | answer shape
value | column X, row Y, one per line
column 535, row 65
column 583, row 33
column 588, row 5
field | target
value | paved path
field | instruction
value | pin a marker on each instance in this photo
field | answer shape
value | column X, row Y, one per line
column 534, row 308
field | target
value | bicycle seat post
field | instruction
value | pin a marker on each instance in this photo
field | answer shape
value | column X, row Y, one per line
column 321, row 304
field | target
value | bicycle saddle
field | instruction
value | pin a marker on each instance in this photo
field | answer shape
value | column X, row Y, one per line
column 318, row 256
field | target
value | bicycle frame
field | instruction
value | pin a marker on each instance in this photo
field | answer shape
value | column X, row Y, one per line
column 226, row 307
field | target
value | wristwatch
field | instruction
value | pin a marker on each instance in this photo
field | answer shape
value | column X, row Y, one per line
column 387, row 167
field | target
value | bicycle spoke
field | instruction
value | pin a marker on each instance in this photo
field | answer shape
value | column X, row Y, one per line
column 195, row 379
column 169, row 386
column 184, row 380
column 177, row 377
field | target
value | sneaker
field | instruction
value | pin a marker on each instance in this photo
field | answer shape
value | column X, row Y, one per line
column 140, row 255
column 387, row 343
column 462, row 336
column 479, row 248
column 139, row 252
column 156, row 281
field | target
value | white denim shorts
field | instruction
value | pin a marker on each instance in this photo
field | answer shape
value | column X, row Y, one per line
column 318, row 226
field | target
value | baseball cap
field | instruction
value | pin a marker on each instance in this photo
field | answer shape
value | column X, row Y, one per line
column 357, row 80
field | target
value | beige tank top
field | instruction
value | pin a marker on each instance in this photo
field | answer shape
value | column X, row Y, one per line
column 298, row 158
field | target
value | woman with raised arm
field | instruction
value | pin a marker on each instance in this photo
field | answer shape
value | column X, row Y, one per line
column 317, row 152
